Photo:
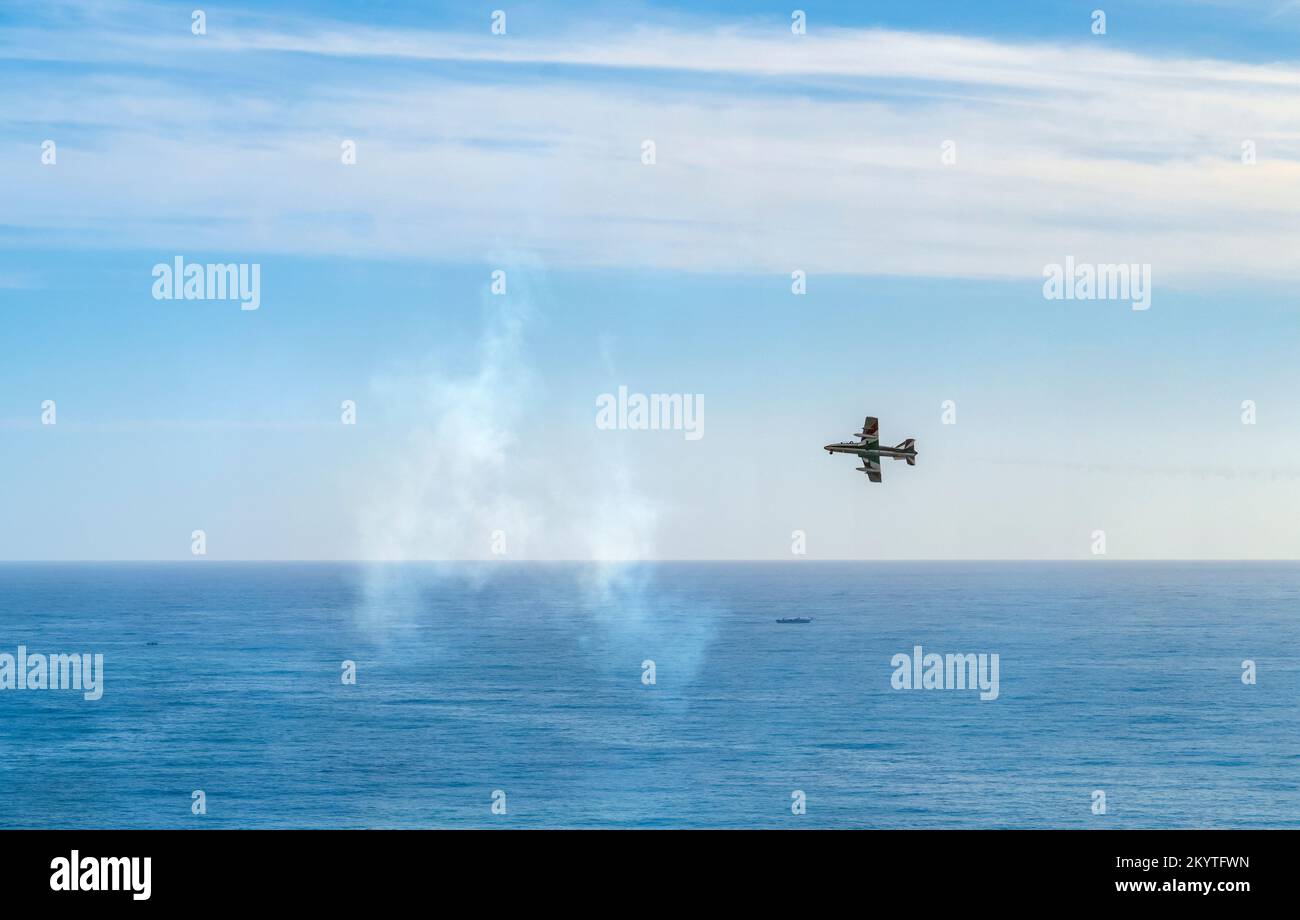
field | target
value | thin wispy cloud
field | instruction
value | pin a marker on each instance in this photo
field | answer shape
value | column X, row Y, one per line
column 826, row 155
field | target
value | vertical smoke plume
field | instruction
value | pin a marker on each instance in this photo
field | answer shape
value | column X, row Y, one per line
column 465, row 471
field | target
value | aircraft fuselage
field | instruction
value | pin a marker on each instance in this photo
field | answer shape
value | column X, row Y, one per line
column 862, row 450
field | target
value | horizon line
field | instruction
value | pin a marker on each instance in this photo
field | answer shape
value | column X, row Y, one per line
column 598, row 561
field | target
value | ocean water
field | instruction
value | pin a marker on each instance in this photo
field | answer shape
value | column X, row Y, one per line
column 527, row 679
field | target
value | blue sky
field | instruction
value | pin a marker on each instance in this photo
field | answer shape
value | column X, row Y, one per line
column 523, row 153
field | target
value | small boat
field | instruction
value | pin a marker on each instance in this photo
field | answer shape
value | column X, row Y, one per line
column 794, row 619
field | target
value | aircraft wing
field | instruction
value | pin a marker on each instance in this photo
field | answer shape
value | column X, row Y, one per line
column 871, row 466
column 870, row 433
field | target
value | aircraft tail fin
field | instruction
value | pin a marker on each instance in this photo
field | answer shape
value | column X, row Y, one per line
column 909, row 444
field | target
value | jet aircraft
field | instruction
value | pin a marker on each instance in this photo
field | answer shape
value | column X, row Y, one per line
column 868, row 448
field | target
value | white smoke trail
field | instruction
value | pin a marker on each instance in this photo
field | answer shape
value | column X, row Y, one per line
column 1163, row 471
column 465, row 471
column 455, row 479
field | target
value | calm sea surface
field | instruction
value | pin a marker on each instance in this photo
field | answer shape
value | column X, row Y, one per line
column 527, row 679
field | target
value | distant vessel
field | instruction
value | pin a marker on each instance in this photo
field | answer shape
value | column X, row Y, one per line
column 794, row 619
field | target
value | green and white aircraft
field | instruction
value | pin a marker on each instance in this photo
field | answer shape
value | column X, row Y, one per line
column 868, row 448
